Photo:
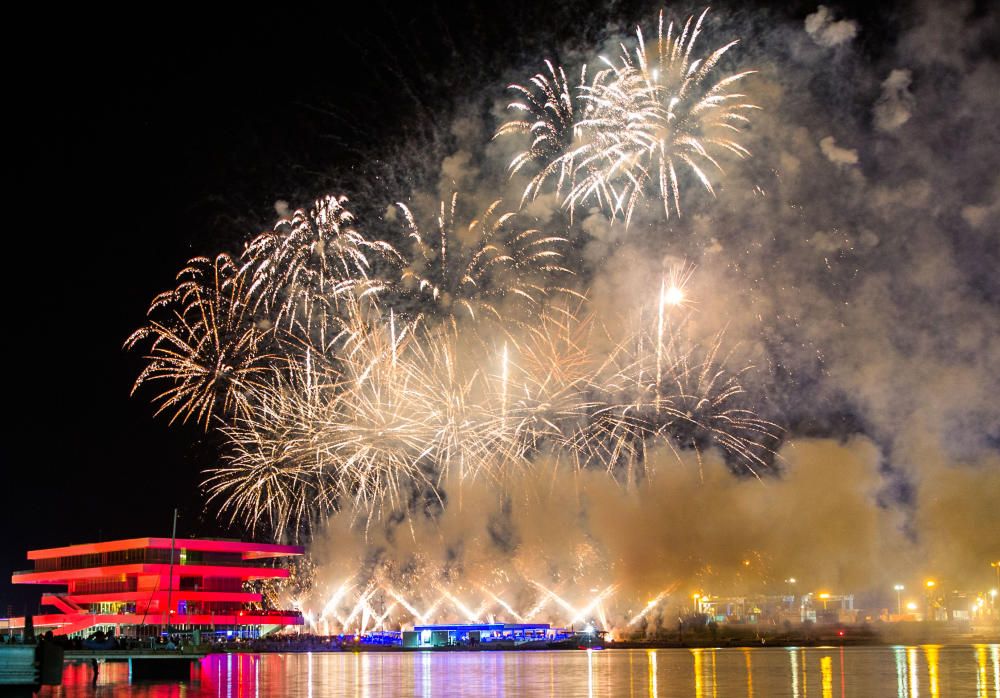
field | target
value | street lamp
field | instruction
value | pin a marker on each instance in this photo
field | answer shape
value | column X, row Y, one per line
column 996, row 566
column 899, row 602
column 826, row 597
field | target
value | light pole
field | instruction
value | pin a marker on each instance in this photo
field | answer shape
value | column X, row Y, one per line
column 996, row 566
column 899, row 601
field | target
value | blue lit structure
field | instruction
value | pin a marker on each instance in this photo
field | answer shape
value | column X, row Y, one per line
column 480, row 633
column 384, row 638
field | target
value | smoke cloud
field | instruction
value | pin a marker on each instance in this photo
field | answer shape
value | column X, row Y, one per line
column 837, row 155
column 894, row 107
column 821, row 26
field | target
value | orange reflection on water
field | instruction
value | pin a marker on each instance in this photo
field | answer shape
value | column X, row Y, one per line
column 699, row 684
column 931, row 655
column 653, row 690
column 793, row 660
column 826, row 669
column 995, row 652
column 703, row 659
column 982, row 687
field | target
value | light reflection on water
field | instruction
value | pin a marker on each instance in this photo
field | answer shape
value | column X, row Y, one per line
column 907, row 672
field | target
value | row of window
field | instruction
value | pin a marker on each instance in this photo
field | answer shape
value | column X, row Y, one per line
column 103, row 586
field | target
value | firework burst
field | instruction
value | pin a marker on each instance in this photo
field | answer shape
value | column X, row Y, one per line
column 680, row 394
column 302, row 271
column 637, row 125
column 548, row 108
column 399, row 407
column 273, row 473
column 476, row 270
column 205, row 344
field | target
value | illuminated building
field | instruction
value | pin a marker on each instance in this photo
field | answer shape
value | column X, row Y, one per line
column 472, row 633
column 132, row 586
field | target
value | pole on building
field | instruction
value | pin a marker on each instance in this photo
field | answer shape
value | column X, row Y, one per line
column 170, row 574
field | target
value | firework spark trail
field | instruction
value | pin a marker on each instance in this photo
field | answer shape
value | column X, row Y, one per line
column 549, row 109
column 395, row 410
column 359, row 606
column 650, row 605
column 704, row 408
column 406, row 604
column 272, row 468
column 410, row 411
column 634, row 125
column 399, row 409
column 351, row 608
column 577, row 615
column 547, row 382
column 471, row 616
column 372, row 412
column 334, row 601
column 380, row 619
column 537, row 608
column 503, row 604
column 555, row 597
column 474, row 272
column 303, row 270
column 205, row 345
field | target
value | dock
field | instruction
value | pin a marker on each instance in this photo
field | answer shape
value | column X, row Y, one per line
column 143, row 664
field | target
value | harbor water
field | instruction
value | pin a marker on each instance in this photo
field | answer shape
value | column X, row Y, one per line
column 825, row 672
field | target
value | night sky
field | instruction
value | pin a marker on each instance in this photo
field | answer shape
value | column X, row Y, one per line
column 140, row 140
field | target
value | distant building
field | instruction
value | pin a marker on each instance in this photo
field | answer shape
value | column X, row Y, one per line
column 473, row 633
column 129, row 586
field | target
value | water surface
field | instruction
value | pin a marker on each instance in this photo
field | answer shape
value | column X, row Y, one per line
column 825, row 672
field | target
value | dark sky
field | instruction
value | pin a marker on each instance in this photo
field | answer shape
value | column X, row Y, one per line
column 142, row 140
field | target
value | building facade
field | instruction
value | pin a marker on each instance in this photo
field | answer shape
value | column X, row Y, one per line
column 140, row 585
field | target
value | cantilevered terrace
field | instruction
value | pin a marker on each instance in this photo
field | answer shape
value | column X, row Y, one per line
column 131, row 585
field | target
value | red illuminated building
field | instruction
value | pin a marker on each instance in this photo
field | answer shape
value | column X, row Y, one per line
column 131, row 585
